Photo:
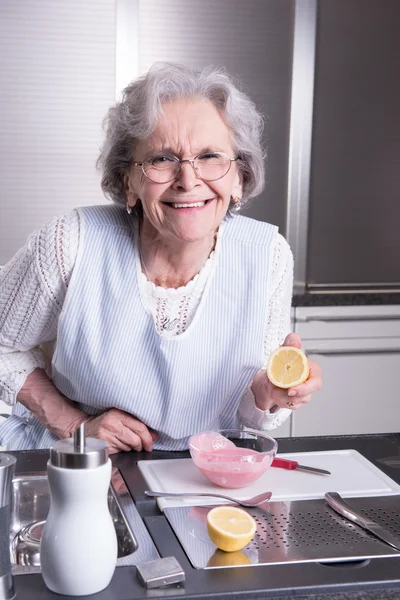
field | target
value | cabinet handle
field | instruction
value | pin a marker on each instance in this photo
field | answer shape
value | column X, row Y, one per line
column 333, row 318
column 353, row 351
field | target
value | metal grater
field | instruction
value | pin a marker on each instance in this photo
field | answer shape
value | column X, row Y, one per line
column 296, row 531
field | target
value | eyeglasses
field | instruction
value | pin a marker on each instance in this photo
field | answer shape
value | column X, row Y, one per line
column 209, row 166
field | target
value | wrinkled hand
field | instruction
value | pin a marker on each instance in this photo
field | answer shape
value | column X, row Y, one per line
column 268, row 395
column 121, row 431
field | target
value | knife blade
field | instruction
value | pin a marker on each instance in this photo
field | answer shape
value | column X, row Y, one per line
column 342, row 507
column 284, row 463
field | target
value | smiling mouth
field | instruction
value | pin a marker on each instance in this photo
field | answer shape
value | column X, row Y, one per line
column 189, row 204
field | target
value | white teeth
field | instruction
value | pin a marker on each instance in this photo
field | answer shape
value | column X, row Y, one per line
column 191, row 205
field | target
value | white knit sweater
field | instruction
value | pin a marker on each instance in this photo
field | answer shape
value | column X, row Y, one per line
column 33, row 287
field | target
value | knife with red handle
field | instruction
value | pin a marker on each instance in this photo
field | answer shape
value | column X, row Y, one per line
column 284, row 463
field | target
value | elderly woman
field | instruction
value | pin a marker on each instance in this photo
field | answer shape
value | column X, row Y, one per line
column 165, row 306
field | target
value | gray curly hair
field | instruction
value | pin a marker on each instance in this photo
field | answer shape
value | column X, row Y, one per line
column 135, row 117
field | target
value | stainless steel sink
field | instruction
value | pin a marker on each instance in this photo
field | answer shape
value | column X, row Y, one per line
column 30, row 507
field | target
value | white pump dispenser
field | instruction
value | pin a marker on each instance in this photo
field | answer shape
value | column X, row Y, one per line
column 78, row 550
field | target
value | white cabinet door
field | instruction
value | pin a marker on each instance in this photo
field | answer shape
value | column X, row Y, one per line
column 360, row 395
column 358, row 348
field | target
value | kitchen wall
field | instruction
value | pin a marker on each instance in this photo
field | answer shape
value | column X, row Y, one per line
column 57, row 79
column 354, row 212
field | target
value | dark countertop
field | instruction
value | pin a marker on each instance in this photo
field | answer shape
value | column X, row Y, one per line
column 346, row 299
column 376, row 579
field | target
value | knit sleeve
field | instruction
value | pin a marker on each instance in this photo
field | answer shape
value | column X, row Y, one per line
column 276, row 329
column 279, row 306
column 32, row 291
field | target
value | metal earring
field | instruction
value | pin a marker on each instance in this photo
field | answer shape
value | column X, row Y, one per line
column 237, row 204
column 128, row 209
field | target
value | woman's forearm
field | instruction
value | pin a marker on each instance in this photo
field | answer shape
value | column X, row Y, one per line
column 56, row 412
column 14, row 369
column 251, row 415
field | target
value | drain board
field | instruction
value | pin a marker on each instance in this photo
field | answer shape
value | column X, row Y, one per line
column 296, row 531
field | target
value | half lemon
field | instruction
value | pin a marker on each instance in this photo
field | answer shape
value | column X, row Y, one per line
column 230, row 528
column 287, row 366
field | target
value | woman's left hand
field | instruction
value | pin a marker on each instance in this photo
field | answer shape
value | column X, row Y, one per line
column 268, row 395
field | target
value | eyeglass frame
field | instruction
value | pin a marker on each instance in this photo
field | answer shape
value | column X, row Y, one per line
column 184, row 160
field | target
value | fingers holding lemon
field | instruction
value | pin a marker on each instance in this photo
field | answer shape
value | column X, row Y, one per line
column 289, row 374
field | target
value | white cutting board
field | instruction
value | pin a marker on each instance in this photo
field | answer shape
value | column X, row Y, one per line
column 351, row 475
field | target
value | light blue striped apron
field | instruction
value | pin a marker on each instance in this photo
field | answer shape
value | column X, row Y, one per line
column 109, row 354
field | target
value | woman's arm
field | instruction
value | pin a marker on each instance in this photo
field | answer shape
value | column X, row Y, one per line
column 54, row 410
column 256, row 410
column 32, row 291
column 57, row 413
column 267, row 397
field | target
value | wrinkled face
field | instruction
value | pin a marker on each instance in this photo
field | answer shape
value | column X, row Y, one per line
column 187, row 129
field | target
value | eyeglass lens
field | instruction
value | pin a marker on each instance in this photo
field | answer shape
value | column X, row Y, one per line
column 210, row 167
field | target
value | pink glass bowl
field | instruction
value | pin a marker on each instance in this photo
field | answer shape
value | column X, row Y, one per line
column 232, row 458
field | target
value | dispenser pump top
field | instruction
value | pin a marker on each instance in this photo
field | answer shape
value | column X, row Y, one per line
column 79, row 452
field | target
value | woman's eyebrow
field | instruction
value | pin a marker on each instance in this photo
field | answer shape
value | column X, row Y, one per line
column 161, row 151
column 211, row 149
column 170, row 151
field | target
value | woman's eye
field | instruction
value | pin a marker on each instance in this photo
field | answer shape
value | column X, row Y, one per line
column 209, row 155
column 160, row 160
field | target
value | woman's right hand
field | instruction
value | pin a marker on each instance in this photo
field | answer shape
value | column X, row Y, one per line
column 121, row 431
column 61, row 416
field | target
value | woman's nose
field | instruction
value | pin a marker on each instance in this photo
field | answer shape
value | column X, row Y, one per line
column 187, row 177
